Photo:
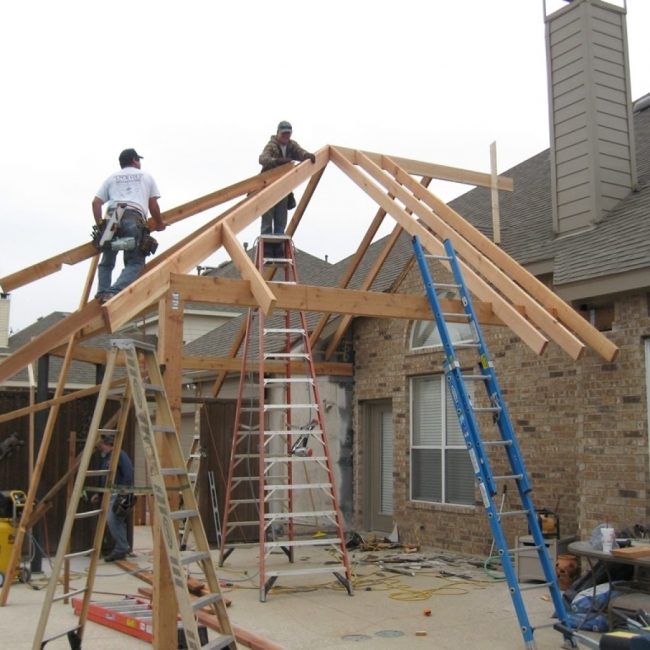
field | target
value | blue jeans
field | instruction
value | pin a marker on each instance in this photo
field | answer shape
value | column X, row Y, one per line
column 131, row 225
column 117, row 528
column 273, row 223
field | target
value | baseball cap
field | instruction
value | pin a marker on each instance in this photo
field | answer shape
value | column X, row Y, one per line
column 128, row 155
column 284, row 126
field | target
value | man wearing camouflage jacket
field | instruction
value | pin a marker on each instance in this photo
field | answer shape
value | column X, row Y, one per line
column 279, row 150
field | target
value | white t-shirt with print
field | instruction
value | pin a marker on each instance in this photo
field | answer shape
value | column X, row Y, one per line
column 131, row 186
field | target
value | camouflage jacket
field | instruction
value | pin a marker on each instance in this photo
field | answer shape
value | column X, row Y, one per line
column 272, row 155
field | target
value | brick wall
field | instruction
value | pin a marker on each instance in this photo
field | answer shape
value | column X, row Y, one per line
column 582, row 426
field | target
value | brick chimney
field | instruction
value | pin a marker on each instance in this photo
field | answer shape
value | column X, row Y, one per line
column 593, row 163
column 4, row 320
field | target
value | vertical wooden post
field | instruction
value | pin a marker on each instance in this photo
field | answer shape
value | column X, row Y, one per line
column 170, row 355
column 494, row 190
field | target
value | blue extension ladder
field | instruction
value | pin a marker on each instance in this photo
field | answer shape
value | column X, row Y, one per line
column 486, row 480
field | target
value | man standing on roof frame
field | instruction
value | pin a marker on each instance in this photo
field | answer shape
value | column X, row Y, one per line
column 132, row 193
column 280, row 149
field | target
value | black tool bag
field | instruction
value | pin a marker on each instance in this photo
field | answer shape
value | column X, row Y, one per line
column 148, row 245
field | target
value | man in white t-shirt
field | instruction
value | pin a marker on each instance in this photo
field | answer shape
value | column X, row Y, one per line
column 132, row 193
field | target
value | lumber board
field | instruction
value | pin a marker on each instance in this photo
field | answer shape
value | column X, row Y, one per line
column 508, row 314
column 479, row 263
column 545, row 296
column 261, row 290
column 441, row 172
column 244, row 637
column 331, row 300
column 84, row 251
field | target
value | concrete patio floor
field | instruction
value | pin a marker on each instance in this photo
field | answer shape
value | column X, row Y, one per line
column 387, row 610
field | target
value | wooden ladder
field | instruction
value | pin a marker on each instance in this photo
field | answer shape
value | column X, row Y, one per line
column 167, row 481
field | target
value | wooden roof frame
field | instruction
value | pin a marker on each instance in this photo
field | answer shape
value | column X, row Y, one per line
column 506, row 292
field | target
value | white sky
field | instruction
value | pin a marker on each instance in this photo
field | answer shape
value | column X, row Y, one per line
column 198, row 87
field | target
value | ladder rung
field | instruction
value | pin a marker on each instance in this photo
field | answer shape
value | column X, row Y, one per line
column 321, row 541
column 286, row 355
column 467, row 344
column 87, row 514
column 487, row 409
column 275, row 407
column 107, row 432
column 521, row 549
column 493, row 443
column 183, row 514
column 509, row 477
column 196, row 556
column 235, row 524
column 295, row 515
column 314, row 570
column 537, row 585
column 97, row 472
column 59, row 635
column 431, row 256
column 289, row 380
column 294, row 459
column 69, row 594
column 513, row 513
column 453, row 314
column 298, row 486
column 284, row 330
column 69, row 556
column 236, row 502
column 204, row 601
column 173, row 471
column 447, row 285
column 476, row 377
column 154, row 388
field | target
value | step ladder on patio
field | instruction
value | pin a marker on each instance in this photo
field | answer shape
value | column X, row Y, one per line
column 457, row 381
column 280, row 474
column 144, row 381
column 193, row 466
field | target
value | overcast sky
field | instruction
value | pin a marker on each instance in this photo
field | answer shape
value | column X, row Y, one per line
column 198, row 87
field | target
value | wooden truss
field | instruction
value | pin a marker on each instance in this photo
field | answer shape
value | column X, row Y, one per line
column 506, row 293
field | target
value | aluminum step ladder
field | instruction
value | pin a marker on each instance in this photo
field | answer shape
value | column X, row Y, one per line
column 143, row 382
column 495, row 412
column 280, row 475
column 193, row 466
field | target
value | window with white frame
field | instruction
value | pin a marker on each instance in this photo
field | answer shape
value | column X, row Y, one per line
column 441, row 470
column 424, row 334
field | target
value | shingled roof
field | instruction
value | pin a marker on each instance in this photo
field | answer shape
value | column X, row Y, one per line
column 619, row 243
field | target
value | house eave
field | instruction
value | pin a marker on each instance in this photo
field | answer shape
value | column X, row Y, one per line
column 605, row 285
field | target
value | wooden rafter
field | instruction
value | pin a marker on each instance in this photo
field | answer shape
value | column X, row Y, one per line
column 80, row 253
column 479, row 263
column 502, row 308
column 553, row 303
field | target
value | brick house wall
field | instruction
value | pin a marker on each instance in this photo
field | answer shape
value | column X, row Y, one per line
column 582, row 426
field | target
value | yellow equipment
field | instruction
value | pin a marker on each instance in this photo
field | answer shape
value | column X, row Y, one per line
column 11, row 507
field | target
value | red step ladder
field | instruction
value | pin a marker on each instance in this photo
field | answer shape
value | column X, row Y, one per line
column 281, row 475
